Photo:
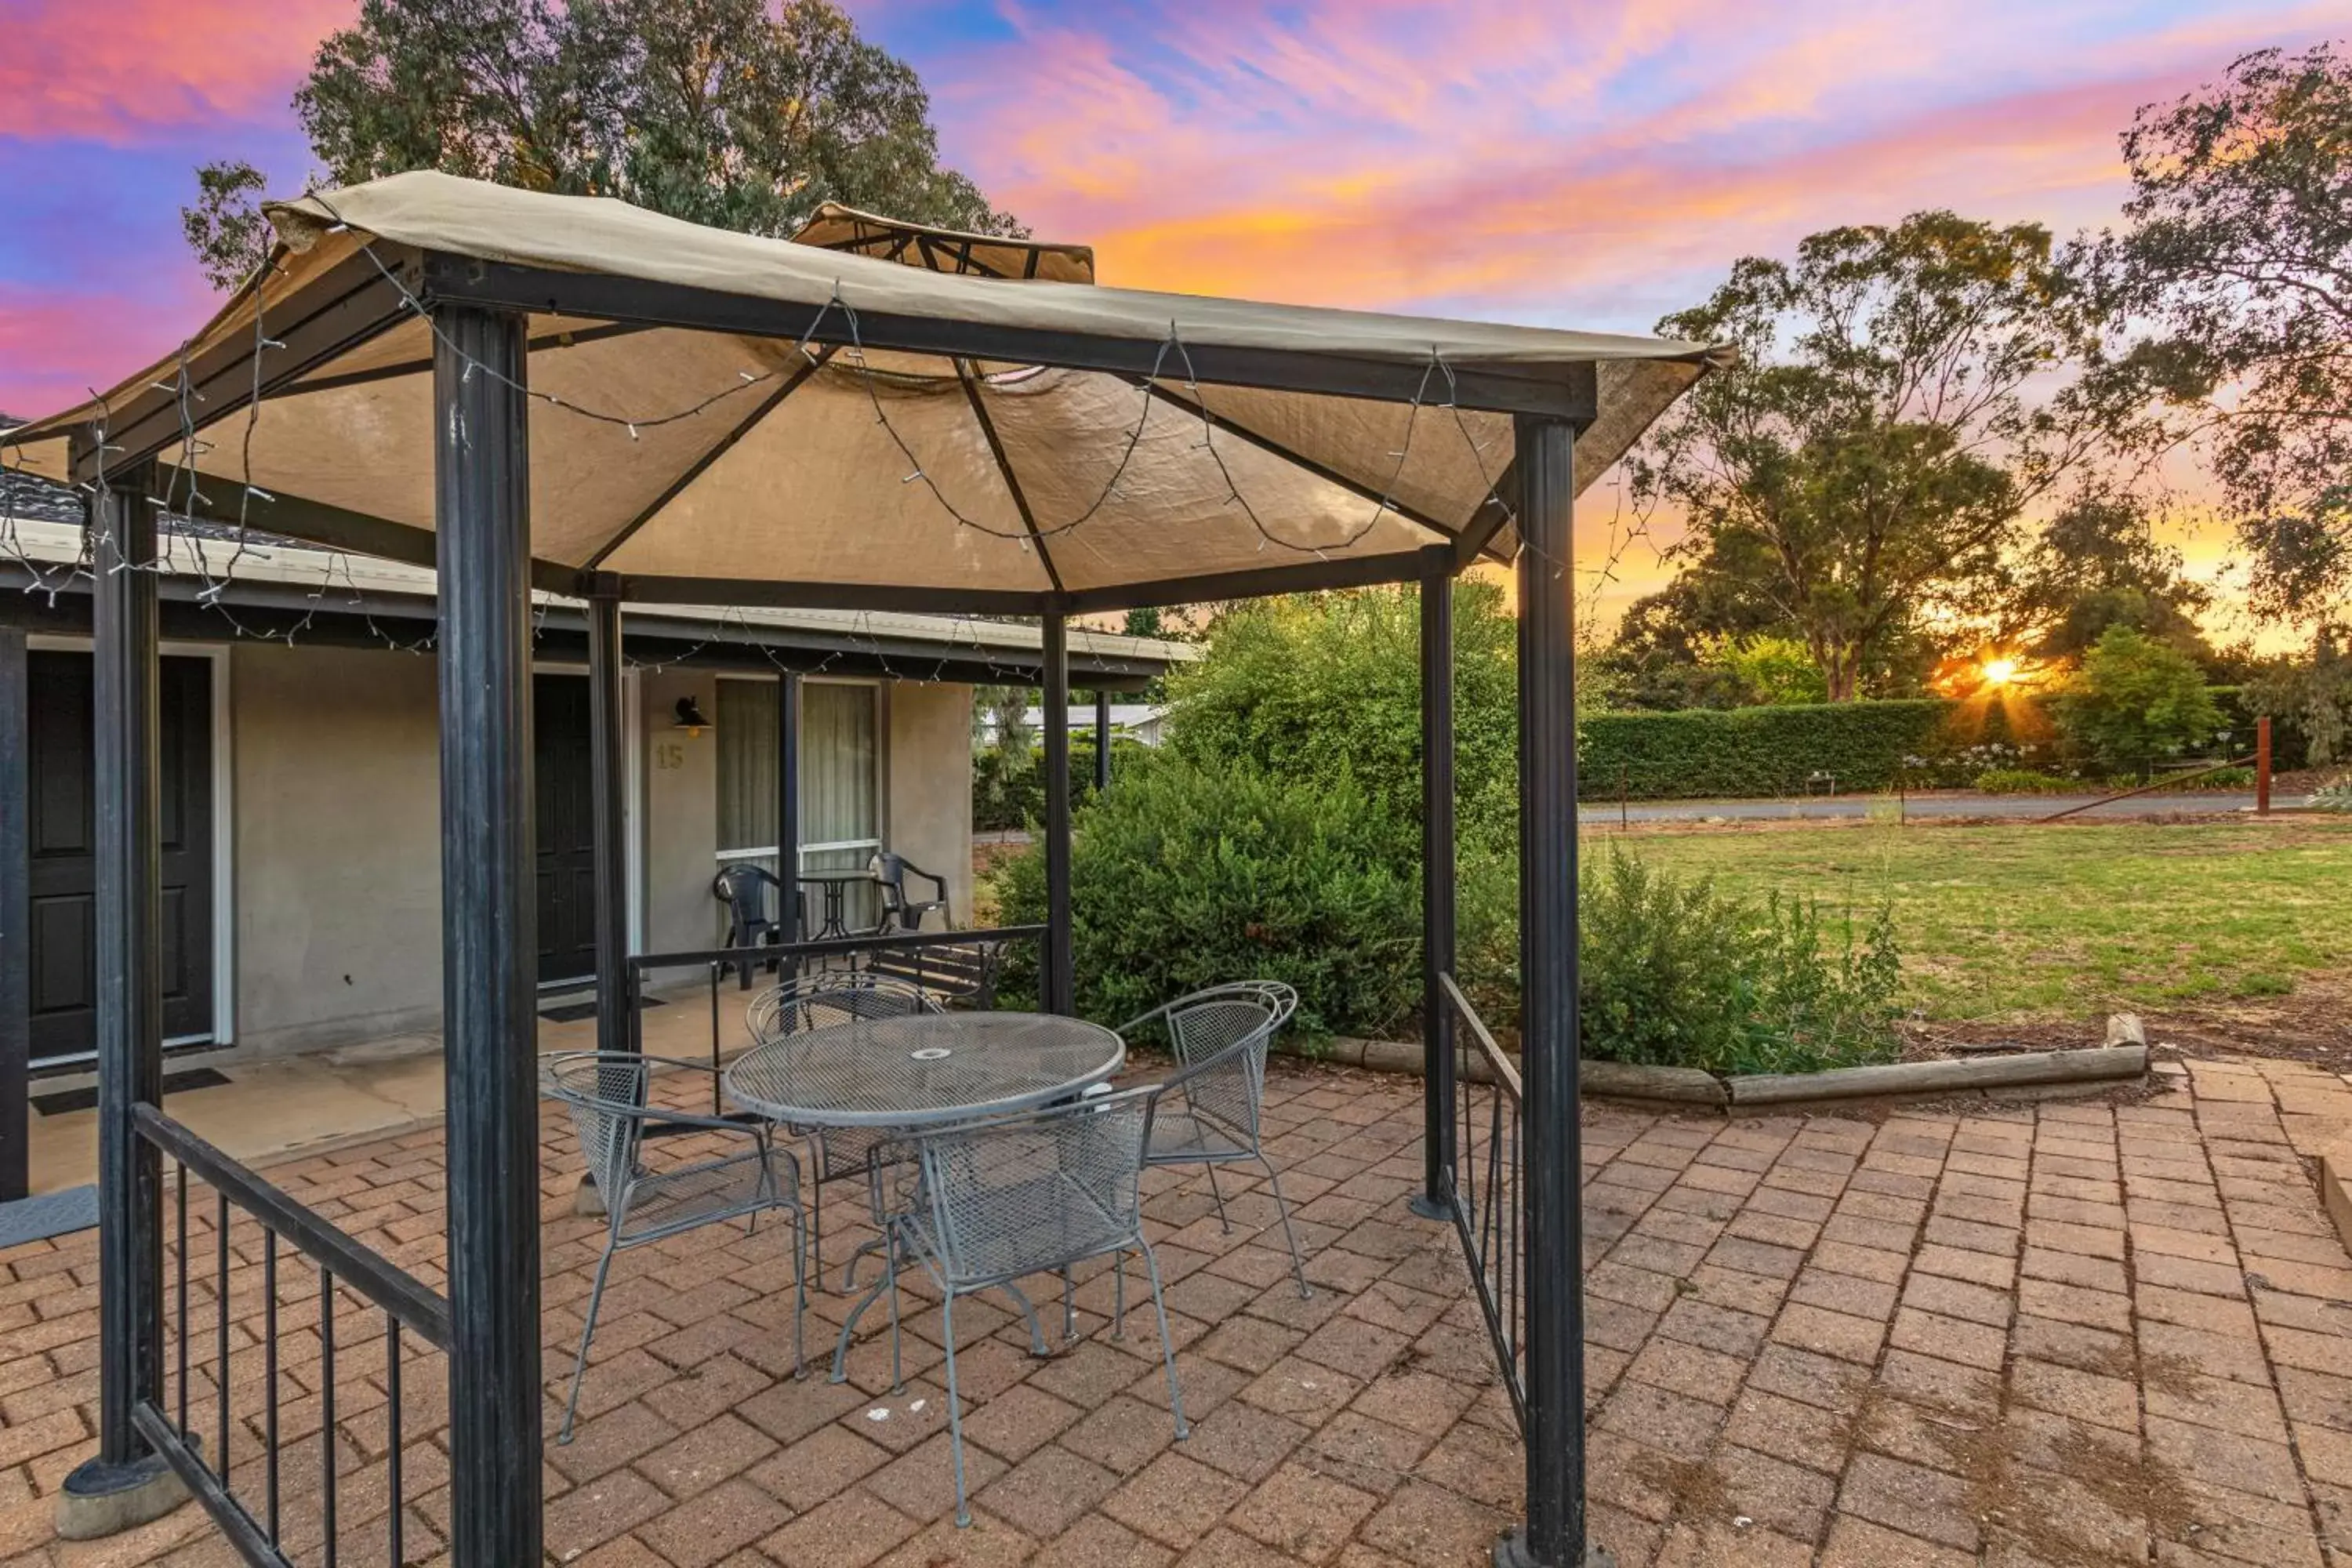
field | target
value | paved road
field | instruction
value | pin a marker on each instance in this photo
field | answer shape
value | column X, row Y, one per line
column 1958, row 803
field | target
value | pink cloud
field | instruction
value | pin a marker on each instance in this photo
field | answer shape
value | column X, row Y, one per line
column 55, row 346
column 127, row 71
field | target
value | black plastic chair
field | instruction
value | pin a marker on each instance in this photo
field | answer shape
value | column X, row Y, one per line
column 899, row 912
column 743, row 889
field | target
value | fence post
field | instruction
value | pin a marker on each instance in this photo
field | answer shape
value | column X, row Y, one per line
column 1554, row 1536
column 2262, row 766
column 1437, row 870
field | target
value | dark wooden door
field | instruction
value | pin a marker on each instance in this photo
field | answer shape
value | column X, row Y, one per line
column 567, row 828
column 61, row 820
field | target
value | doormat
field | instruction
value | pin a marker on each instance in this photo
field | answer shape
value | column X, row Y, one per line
column 50, row 1214
column 572, row 1012
column 71, row 1100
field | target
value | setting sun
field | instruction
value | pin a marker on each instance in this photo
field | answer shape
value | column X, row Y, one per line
column 1999, row 671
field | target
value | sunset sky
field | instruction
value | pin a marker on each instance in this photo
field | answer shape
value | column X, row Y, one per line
column 1594, row 164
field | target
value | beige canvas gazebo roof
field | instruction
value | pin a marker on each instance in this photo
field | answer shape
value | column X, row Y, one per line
column 860, row 459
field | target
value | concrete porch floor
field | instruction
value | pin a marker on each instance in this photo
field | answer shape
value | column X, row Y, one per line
column 276, row 1107
column 2016, row 1336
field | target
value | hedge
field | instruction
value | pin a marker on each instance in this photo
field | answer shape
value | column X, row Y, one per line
column 1704, row 753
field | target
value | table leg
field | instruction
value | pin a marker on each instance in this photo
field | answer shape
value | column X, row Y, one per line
column 885, row 1281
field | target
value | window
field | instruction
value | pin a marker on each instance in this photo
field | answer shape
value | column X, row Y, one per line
column 841, row 796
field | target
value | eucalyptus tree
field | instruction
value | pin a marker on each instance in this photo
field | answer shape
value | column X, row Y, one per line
column 2232, row 279
column 1901, row 408
column 724, row 113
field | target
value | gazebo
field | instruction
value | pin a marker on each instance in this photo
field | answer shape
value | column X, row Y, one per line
column 571, row 396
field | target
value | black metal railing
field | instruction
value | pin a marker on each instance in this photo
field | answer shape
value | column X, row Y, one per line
column 1483, row 1187
column 207, row 1399
column 941, row 960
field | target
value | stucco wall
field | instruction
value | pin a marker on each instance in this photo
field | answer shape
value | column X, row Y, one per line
column 336, row 762
column 336, row 842
column 681, row 828
column 927, row 784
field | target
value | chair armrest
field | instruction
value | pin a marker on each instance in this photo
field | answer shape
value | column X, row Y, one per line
column 1139, row 1020
column 659, row 1116
column 668, row 1116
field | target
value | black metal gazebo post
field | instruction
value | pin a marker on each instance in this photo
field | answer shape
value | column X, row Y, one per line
column 788, row 805
column 489, row 921
column 1437, row 870
column 1060, row 991
column 1554, row 1536
column 1102, row 739
column 16, row 912
column 608, row 764
column 128, row 940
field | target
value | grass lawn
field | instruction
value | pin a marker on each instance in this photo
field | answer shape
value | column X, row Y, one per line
column 2014, row 922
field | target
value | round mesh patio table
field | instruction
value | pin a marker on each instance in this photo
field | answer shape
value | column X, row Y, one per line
column 921, row 1071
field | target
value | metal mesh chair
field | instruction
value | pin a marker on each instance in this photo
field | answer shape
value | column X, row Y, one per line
column 1208, row 1114
column 815, row 1002
column 1033, row 1194
column 608, row 1096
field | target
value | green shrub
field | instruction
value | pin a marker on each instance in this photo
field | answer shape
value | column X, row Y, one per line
column 2026, row 781
column 1766, row 670
column 2137, row 699
column 1328, row 686
column 2335, row 796
column 1183, row 878
column 2226, row 778
column 1675, row 974
column 1706, row 753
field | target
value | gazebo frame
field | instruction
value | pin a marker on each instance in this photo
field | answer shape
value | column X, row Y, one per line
column 487, row 575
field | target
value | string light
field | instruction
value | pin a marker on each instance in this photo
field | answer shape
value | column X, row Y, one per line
column 337, row 577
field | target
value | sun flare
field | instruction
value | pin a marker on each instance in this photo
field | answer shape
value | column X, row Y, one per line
column 1999, row 671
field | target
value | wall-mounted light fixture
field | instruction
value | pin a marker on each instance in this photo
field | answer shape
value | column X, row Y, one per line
column 691, row 719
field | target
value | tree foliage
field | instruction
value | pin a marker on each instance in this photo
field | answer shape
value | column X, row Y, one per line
column 2135, row 701
column 2311, row 695
column 724, row 113
column 2099, row 563
column 2236, row 261
column 1873, row 453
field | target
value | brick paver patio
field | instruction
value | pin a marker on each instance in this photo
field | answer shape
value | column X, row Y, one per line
column 2070, row 1333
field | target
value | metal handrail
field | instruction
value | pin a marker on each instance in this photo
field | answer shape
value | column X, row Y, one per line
column 381, row 1281
column 831, row 947
column 1504, row 1069
column 1484, row 1192
column 344, row 1263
